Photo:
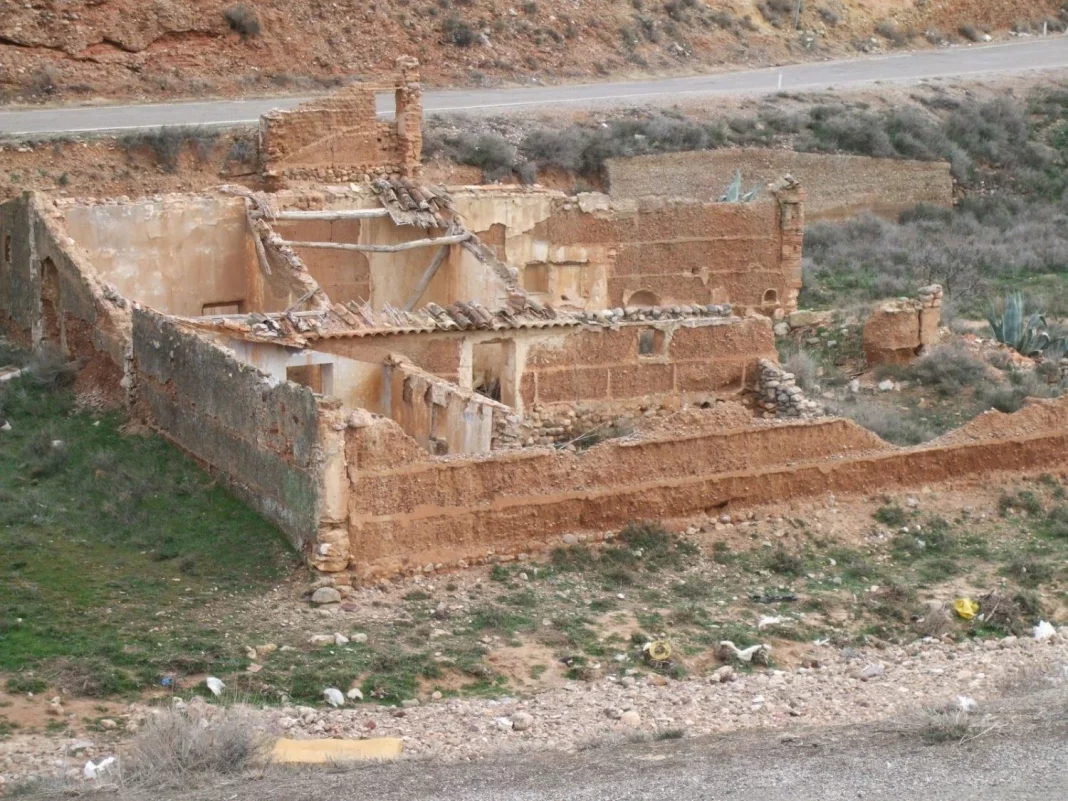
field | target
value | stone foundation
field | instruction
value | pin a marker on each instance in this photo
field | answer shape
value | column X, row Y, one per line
column 779, row 396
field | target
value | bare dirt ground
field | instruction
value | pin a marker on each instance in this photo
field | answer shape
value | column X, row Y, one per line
column 853, row 595
column 87, row 50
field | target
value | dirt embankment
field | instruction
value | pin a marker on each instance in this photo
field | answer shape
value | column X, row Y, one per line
column 84, row 49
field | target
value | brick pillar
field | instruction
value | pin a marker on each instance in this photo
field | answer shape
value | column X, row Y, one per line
column 409, row 94
column 791, row 198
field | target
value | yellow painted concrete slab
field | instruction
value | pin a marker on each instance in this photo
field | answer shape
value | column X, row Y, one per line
column 321, row 752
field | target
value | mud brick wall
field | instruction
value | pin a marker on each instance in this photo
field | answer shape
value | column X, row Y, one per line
column 344, row 275
column 19, row 281
column 261, row 435
column 898, row 331
column 340, row 138
column 837, row 186
column 408, row 510
column 609, row 364
column 687, row 252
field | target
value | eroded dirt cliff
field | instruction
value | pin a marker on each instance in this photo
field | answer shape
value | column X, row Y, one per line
column 84, row 49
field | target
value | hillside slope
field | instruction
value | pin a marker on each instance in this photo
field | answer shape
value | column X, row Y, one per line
column 73, row 50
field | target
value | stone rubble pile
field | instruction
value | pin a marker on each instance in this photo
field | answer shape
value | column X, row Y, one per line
column 779, row 396
column 652, row 313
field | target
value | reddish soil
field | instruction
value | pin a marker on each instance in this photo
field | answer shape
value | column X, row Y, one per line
column 85, row 50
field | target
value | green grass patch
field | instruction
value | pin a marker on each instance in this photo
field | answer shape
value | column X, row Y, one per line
column 891, row 515
column 113, row 544
column 1020, row 501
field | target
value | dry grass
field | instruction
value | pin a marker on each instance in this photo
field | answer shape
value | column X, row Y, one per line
column 804, row 368
column 952, row 725
column 175, row 749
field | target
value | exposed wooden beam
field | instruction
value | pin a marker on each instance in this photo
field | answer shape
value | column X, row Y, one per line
column 415, row 243
column 261, row 253
column 339, row 214
column 424, row 282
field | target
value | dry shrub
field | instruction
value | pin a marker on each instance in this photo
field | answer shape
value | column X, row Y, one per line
column 174, row 749
column 887, row 422
column 949, row 725
column 242, row 20
column 936, row 623
column 892, row 33
column 948, row 369
column 804, row 368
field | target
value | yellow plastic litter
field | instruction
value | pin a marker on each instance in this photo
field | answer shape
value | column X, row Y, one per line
column 659, row 651
column 324, row 752
column 966, row 608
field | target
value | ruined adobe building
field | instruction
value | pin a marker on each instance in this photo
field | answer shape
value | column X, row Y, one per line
column 402, row 376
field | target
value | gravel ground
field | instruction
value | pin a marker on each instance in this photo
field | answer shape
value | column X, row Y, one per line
column 847, row 686
column 1026, row 758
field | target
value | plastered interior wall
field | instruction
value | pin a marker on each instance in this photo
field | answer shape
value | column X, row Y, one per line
column 175, row 255
column 407, row 509
column 388, row 278
column 440, row 416
column 357, row 384
column 836, row 185
column 583, row 252
column 50, row 295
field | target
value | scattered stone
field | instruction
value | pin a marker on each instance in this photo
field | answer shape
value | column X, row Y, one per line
column 107, row 724
column 326, row 595
column 355, row 694
column 521, row 721
column 724, row 674
column 408, row 703
column 872, row 671
column 631, row 718
column 886, row 385
column 359, row 638
column 340, row 639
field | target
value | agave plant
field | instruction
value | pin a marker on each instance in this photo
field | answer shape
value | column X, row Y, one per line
column 1027, row 335
column 734, row 193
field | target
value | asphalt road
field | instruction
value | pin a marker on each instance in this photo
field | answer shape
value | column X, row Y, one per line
column 1022, row 56
column 816, row 765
